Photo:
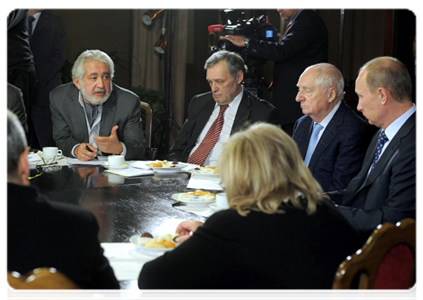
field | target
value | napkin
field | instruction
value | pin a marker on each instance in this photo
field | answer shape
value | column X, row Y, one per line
column 201, row 211
column 125, row 260
column 198, row 182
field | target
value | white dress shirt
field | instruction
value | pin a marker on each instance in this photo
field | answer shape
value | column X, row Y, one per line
column 228, row 117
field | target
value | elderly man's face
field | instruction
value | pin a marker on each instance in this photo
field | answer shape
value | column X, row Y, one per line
column 313, row 100
column 368, row 102
column 96, row 83
column 222, row 84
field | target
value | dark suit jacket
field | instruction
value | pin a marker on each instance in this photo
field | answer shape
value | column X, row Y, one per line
column 122, row 109
column 259, row 251
column 251, row 109
column 305, row 43
column 43, row 234
column 388, row 194
column 48, row 45
column 15, row 104
column 340, row 152
column 19, row 55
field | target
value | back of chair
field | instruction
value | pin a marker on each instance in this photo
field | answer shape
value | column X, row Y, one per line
column 148, row 122
column 40, row 278
column 386, row 261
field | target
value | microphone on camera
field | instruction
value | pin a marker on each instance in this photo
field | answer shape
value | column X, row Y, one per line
column 216, row 28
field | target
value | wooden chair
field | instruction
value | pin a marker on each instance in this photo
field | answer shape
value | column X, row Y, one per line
column 386, row 261
column 40, row 278
column 150, row 153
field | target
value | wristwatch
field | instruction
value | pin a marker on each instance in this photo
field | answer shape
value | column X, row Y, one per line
column 246, row 41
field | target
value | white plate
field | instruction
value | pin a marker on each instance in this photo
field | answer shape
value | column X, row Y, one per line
column 214, row 207
column 106, row 165
column 175, row 169
column 202, row 173
column 139, row 242
column 192, row 203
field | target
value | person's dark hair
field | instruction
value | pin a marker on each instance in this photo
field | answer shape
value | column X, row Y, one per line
column 234, row 62
column 16, row 142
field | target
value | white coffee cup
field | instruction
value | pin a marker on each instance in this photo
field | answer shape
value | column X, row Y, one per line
column 116, row 160
column 221, row 200
column 51, row 152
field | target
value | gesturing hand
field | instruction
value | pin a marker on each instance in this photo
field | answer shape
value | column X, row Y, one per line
column 109, row 144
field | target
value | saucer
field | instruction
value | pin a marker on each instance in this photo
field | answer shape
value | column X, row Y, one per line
column 106, row 165
column 214, row 207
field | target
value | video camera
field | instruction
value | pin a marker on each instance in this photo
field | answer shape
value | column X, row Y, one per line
column 256, row 28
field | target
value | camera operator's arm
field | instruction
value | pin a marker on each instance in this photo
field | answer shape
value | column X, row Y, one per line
column 237, row 40
column 307, row 34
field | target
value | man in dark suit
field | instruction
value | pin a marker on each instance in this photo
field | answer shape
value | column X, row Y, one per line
column 225, row 73
column 48, row 45
column 305, row 43
column 93, row 116
column 343, row 138
column 20, row 63
column 49, row 234
column 385, row 188
column 15, row 104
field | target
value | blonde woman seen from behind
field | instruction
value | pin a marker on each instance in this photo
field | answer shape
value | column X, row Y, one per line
column 277, row 234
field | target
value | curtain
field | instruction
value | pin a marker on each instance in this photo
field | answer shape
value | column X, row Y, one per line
column 148, row 65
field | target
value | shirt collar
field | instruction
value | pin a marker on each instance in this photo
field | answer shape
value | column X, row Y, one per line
column 330, row 115
column 395, row 126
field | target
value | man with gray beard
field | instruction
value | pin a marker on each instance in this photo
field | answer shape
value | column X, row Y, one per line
column 93, row 116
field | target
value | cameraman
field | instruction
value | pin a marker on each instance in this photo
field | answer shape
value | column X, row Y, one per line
column 305, row 43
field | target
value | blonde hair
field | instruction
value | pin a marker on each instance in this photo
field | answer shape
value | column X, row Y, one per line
column 262, row 169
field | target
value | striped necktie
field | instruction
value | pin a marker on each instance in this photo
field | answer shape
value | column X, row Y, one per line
column 201, row 153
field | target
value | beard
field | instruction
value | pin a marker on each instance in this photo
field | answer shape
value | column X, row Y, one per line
column 92, row 99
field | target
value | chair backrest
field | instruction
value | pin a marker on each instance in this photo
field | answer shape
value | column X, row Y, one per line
column 148, row 122
column 386, row 261
column 40, row 278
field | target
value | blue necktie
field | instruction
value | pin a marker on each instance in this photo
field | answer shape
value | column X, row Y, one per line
column 380, row 143
column 312, row 143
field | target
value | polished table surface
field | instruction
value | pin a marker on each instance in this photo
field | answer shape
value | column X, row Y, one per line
column 123, row 206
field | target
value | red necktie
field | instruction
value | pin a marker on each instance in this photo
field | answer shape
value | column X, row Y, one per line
column 287, row 26
column 201, row 153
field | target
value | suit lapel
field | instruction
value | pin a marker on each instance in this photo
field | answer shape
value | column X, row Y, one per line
column 78, row 119
column 41, row 24
column 303, row 134
column 362, row 180
column 243, row 113
column 107, row 117
column 328, row 135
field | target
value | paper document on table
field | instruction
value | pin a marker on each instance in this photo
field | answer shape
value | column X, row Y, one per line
column 203, row 183
column 125, row 260
column 130, row 172
column 93, row 162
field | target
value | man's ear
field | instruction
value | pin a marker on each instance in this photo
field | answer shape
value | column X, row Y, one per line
column 23, row 167
column 383, row 95
column 76, row 83
column 331, row 94
column 239, row 77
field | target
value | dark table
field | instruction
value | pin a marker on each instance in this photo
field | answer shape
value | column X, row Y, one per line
column 123, row 206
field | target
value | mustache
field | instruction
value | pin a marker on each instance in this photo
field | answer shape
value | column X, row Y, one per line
column 102, row 90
